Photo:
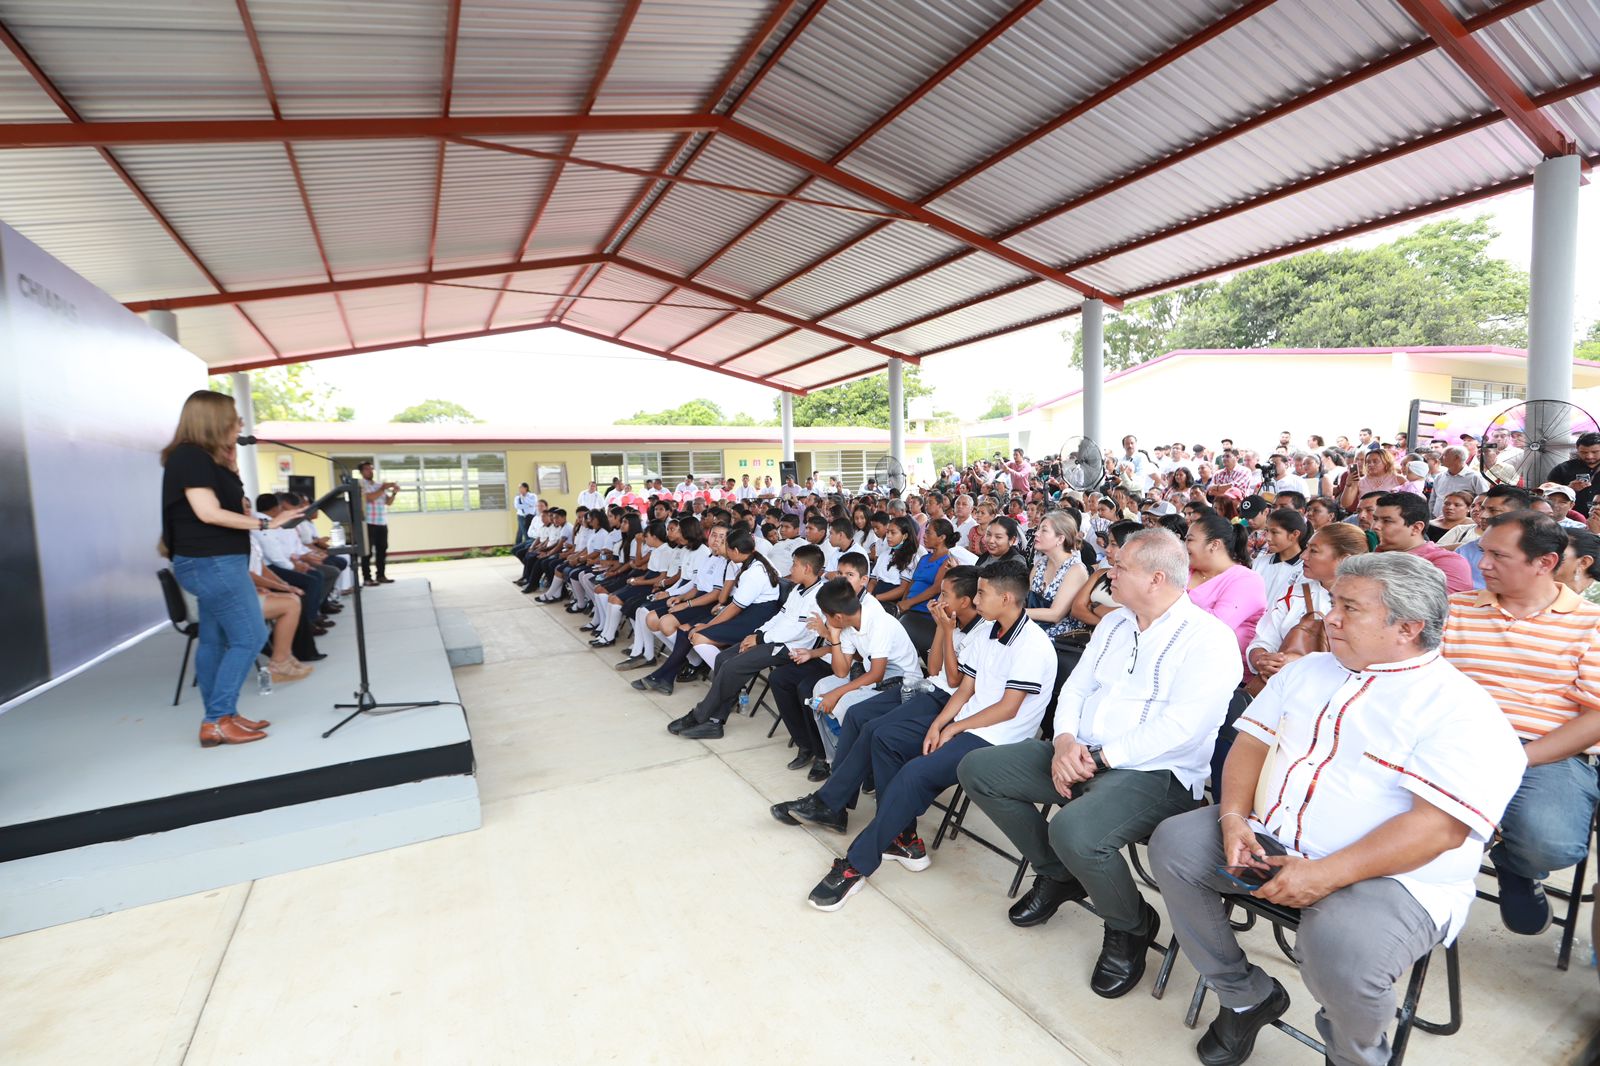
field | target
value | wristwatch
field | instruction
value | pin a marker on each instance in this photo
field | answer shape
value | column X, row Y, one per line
column 1099, row 759
column 265, row 522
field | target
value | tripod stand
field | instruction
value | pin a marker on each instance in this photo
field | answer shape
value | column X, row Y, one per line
column 343, row 504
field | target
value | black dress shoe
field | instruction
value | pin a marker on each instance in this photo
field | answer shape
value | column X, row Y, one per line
column 1122, row 956
column 677, row 725
column 819, row 770
column 652, row 685
column 602, row 642
column 813, row 810
column 686, row 673
column 1232, row 1037
column 314, row 657
column 1041, row 902
column 711, row 729
column 801, row 760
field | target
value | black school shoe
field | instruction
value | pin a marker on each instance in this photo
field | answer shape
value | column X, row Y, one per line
column 801, row 760
column 710, row 729
column 1040, row 903
column 842, row 882
column 677, row 725
column 650, row 684
column 1232, row 1037
column 813, row 810
column 1122, row 956
column 819, row 770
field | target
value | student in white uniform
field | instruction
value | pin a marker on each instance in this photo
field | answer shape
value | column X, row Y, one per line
column 769, row 646
column 684, row 610
column 891, row 575
column 751, row 597
column 688, row 541
column 853, row 630
column 1369, row 821
column 1280, row 563
column 1007, row 680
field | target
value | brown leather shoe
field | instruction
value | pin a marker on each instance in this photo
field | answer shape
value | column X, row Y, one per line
column 250, row 723
column 227, row 731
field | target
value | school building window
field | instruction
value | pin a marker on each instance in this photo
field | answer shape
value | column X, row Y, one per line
column 441, row 482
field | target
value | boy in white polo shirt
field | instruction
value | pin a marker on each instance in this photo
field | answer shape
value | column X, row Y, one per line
column 1007, row 680
column 852, row 628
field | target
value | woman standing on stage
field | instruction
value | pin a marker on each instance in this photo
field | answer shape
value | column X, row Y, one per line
column 205, row 528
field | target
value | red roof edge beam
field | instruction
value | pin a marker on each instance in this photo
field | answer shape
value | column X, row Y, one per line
column 1441, row 24
column 761, row 142
column 929, row 84
column 282, row 292
column 294, row 163
column 630, row 220
column 619, row 33
column 447, row 79
column 76, row 122
column 766, row 312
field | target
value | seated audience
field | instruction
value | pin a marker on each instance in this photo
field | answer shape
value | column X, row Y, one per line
column 771, row 644
column 1376, row 819
column 683, row 610
column 1530, row 642
column 855, row 631
column 1580, row 565
column 1095, row 599
column 1222, row 584
column 1399, row 520
column 1279, row 562
column 897, row 561
column 1058, row 574
column 1134, row 727
column 939, row 539
column 1499, row 500
column 1454, row 523
column 1008, row 676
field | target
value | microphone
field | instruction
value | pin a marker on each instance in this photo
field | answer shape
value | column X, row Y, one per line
column 245, row 442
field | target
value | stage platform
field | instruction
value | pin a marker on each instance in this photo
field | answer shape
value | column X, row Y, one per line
column 107, row 801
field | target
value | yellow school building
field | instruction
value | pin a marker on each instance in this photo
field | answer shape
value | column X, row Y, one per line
column 457, row 481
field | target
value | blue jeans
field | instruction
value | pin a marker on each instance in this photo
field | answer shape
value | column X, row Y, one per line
column 852, row 754
column 1546, row 825
column 232, row 629
column 908, row 783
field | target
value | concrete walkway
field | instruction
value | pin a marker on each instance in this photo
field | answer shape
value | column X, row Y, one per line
column 630, row 900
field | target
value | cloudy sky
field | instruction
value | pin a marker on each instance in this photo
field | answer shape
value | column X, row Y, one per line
column 541, row 376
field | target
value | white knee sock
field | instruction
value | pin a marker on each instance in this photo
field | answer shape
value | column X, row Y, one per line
column 641, row 632
column 708, row 654
column 613, row 622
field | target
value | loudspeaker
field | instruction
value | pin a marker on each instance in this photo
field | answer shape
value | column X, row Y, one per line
column 787, row 470
column 304, row 486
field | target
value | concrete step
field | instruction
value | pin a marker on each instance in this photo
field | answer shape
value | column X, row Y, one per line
column 461, row 642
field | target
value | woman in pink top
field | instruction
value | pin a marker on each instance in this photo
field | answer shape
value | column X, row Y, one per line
column 1378, row 474
column 1221, row 582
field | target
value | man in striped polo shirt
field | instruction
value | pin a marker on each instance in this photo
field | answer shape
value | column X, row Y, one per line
column 1531, row 643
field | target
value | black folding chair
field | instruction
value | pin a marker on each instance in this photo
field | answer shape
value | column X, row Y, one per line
column 178, row 615
column 1568, row 922
column 1287, row 920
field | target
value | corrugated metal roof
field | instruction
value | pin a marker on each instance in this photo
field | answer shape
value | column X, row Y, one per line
column 1099, row 195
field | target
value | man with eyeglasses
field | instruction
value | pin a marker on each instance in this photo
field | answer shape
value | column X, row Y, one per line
column 1134, row 730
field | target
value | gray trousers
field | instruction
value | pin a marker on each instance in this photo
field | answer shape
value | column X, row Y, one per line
column 1353, row 945
column 1086, row 837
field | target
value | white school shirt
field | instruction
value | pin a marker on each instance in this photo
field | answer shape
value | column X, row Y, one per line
column 580, row 539
column 1021, row 659
column 830, row 557
column 782, row 555
column 590, row 499
column 689, row 564
column 256, row 563
column 962, row 636
column 882, row 637
column 1354, row 749
column 1164, row 714
column 712, row 573
column 789, row 626
column 890, row 576
column 1278, row 577
column 663, row 559
column 613, row 496
column 745, row 492
column 766, row 492
column 607, row 540
column 754, row 586
column 1284, row 613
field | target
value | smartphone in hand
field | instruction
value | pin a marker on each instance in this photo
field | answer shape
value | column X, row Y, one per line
column 1250, row 878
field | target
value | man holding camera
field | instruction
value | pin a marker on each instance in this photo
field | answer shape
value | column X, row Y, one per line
column 376, row 498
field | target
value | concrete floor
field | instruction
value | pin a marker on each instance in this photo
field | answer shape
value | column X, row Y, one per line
column 630, row 900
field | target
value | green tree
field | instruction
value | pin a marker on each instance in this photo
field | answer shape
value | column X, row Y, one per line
column 1437, row 285
column 436, row 411
column 292, row 393
column 696, row 412
column 1589, row 347
column 1000, row 404
column 863, row 402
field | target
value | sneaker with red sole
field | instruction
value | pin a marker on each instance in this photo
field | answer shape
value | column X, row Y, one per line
column 909, row 851
column 842, row 882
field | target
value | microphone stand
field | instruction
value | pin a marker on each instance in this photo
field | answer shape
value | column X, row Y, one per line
column 350, row 489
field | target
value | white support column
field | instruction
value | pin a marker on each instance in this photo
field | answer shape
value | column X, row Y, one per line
column 1553, row 278
column 247, row 415
column 897, row 413
column 1094, row 336
column 786, row 405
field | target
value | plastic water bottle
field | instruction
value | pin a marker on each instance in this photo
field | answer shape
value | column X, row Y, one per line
column 744, row 701
column 910, row 689
column 264, row 680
